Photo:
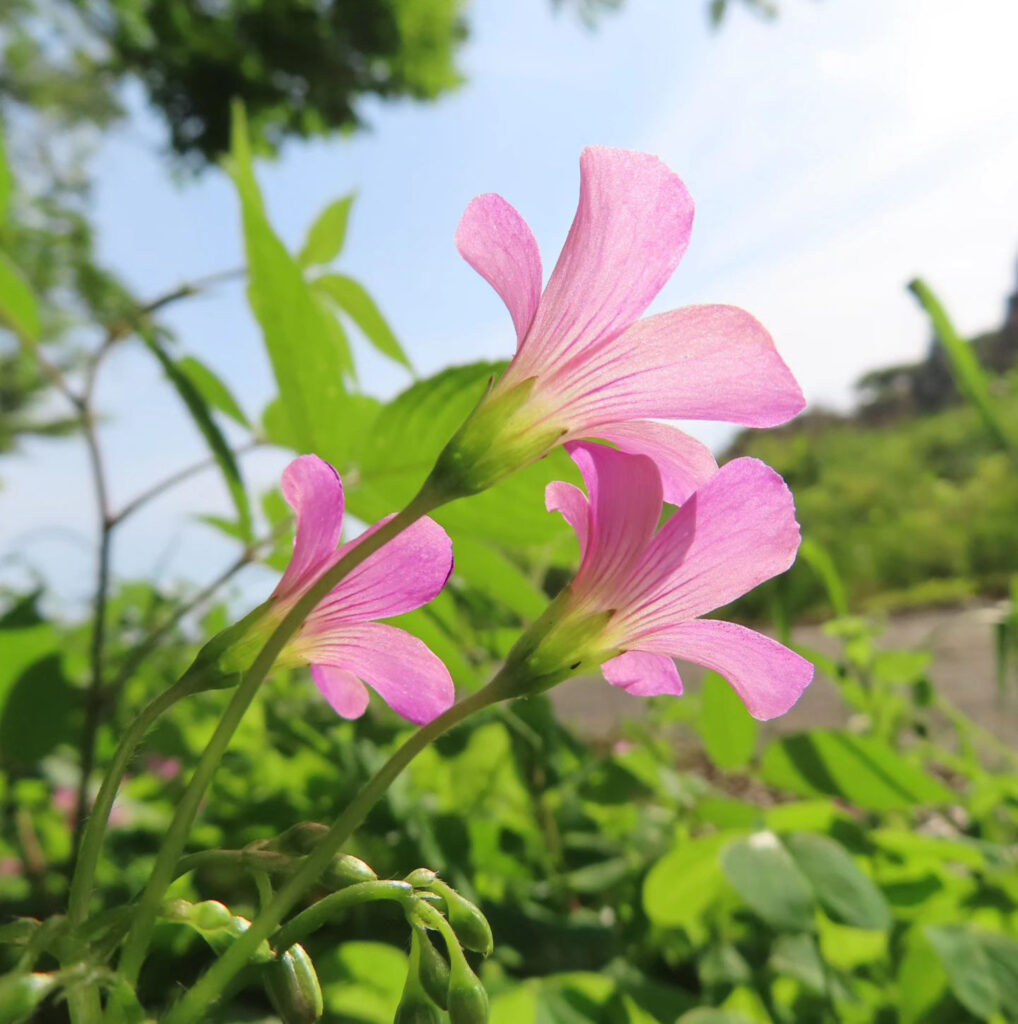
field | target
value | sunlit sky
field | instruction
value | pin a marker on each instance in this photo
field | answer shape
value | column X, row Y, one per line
column 833, row 155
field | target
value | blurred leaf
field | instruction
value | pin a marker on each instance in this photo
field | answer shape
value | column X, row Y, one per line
column 969, row 972
column 362, row 981
column 212, row 389
column 17, row 303
column 299, row 340
column 39, row 713
column 726, row 727
column 328, row 233
column 848, row 895
column 862, row 769
column 819, row 560
column 486, row 567
column 351, row 297
column 1001, row 952
column 203, row 420
column 706, row 1015
column 968, row 374
column 767, row 878
column 797, row 957
column 19, row 648
column 6, row 179
column 685, row 882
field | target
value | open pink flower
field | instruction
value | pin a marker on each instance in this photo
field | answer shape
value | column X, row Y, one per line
column 595, row 370
column 341, row 641
column 649, row 587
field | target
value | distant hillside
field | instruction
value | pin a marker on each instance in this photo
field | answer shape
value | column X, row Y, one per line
column 908, row 494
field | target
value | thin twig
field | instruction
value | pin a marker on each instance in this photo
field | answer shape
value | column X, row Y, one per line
column 152, row 641
column 175, row 478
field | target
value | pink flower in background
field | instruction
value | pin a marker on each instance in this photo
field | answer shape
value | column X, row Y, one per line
column 341, row 641
column 651, row 586
column 166, row 768
column 597, row 370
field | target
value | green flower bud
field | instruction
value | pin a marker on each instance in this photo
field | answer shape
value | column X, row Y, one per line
column 299, row 839
column 21, row 994
column 415, row 1005
column 468, row 1002
column 347, row 870
column 469, row 924
column 421, row 878
column 434, row 972
column 210, row 916
column 293, row 989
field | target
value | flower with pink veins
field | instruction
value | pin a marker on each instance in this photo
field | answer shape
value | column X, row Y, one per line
column 341, row 641
column 586, row 365
column 638, row 597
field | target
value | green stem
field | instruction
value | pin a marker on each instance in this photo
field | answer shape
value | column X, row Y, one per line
column 320, row 913
column 84, row 1004
column 192, row 1007
column 136, row 944
column 95, row 829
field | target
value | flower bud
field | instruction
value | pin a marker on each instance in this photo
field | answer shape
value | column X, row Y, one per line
column 421, row 878
column 469, row 924
column 299, row 839
column 415, row 1005
column 293, row 989
column 434, row 972
column 347, row 870
column 468, row 1002
column 210, row 916
column 21, row 994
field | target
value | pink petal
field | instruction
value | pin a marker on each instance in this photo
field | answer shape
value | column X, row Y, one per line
column 625, row 507
column 699, row 362
column 400, row 668
column 738, row 530
column 572, row 503
column 631, row 228
column 496, row 241
column 343, row 690
column 643, row 675
column 765, row 674
column 314, row 490
column 408, row 572
column 684, row 463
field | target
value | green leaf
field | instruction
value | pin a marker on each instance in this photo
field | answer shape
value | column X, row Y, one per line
column 767, row 878
column 798, row 957
column 399, row 449
column 965, row 368
column 685, row 882
column 39, row 714
column 1002, row 954
column 969, row 972
column 351, row 297
column 328, row 233
column 819, row 560
column 299, row 339
column 362, row 981
column 213, row 437
column 861, row 769
column 707, row 1015
column 212, row 389
column 6, row 179
column 848, row 895
column 727, row 728
column 486, row 568
column 17, row 302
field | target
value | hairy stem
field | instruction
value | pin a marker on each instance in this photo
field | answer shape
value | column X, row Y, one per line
column 136, row 944
column 210, row 986
column 95, row 829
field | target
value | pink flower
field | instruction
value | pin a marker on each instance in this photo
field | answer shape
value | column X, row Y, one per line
column 341, row 641
column 586, row 366
column 641, row 591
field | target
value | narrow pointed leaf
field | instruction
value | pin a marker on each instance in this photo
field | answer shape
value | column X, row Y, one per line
column 360, row 307
column 328, row 233
column 18, row 307
column 212, row 389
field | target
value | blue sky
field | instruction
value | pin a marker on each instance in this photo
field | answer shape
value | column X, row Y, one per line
column 832, row 154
